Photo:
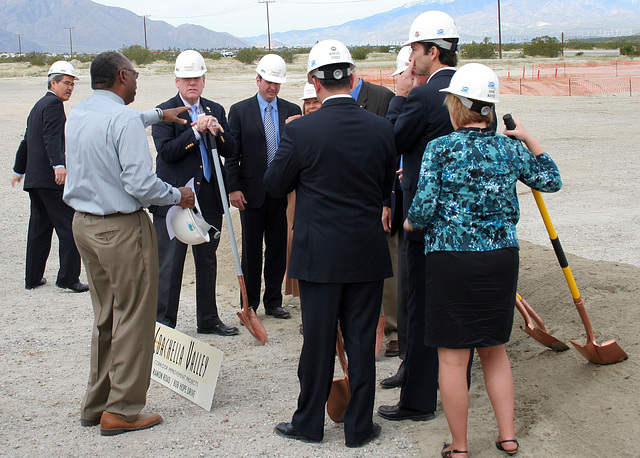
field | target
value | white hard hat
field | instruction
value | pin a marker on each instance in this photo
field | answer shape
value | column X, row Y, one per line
column 190, row 228
column 62, row 67
column 272, row 68
column 402, row 60
column 190, row 64
column 309, row 92
column 434, row 26
column 477, row 87
column 328, row 52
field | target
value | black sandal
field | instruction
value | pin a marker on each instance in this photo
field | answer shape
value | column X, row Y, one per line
column 448, row 453
column 508, row 452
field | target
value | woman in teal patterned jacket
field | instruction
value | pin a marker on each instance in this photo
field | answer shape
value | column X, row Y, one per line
column 467, row 203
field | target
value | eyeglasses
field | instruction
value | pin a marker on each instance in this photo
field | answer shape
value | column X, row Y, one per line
column 133, row 72
column 69, row 83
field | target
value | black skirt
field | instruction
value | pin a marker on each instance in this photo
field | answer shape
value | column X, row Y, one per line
column 470, row 297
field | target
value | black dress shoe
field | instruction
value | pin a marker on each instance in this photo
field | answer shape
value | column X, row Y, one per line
column 221, row 329
column 278, row 312
column 287, row 430
column 76, row 287
column 375, row 432
column 397, row 413
column 40, row 283
column 396, row 380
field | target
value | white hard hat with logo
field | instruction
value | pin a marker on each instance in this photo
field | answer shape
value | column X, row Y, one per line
column 329, row 52
column 62, row 67
column 402, row 60
column 272, row 68
column 477, row 87
column 190, row 64
column 435, row 27
column 189, row 227
column 309, row 92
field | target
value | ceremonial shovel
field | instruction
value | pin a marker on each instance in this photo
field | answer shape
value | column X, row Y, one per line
column 607, row 353
column 537, row 332
column 247, row 315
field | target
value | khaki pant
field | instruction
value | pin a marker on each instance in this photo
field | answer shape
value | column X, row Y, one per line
column 120, row 256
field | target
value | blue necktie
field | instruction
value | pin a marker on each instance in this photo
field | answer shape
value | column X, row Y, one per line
column 270, row 134
column 206, row 164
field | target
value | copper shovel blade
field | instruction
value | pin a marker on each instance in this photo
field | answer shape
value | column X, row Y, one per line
column 607, row 353
column 249, row 318
column 539, row 332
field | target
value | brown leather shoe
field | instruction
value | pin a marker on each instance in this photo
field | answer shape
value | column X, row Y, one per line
column 393, row 348
column 111, row 424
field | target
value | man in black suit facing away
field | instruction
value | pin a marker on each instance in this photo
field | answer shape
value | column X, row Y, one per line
column 340, row 160
column 183, row 153
column 257, row 124
column 41, row 158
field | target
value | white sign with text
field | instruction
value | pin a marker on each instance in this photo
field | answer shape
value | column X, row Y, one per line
column 186, row 365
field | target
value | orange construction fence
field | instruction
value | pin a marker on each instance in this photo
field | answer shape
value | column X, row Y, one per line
column 550, row 79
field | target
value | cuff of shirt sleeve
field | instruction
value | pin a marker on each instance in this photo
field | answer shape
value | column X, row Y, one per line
column 20, row 175
column 196, row 133
column 58, row 167
column 177, row 196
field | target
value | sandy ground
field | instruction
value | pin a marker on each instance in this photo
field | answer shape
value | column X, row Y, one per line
column 565, row 406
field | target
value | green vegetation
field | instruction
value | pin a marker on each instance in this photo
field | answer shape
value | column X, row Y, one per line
column 544, row 46
column 484, row 50
column 250, row 55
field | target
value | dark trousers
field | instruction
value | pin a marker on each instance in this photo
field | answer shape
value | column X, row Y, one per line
column 268, row 223
column 49, row 212
column 357, row 307
column 172, row 254
column 421, row 362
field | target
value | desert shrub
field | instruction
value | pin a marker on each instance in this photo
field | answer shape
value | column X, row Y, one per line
column 250, row 55
column 486, row 50
column 544, row 46
column 138, row 54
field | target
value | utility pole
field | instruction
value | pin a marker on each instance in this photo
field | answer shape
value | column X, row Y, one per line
column 19, row 43
column 70, row 39
column 499, row 32
column 266, row 2
column 144, row 22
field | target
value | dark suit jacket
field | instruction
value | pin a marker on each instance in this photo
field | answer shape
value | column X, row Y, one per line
column 245, row 171
column 341, row 162
column 418, row 119
column 374, row 98
column 43, row 144
column 179, row 157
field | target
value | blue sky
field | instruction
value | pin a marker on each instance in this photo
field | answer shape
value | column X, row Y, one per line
column 244, row 18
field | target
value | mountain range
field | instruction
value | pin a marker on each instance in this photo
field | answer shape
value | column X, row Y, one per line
column 55, row 25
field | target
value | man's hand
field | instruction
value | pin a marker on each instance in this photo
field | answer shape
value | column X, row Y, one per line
column 400, row 173
column 207, row 123
column 188, row 198
column 60, row 175
column 15, row 179
column 237, row 199
column 291, row 118
column 171, row 114
column 386, row 219
column 407, row 80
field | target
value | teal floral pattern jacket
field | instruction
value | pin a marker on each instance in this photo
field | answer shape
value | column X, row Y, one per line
column 466, row 198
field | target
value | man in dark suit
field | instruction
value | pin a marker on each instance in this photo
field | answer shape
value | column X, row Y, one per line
column 375, row 99
column 183, row 153
column 341, row 162
column 41, row 158
column 257, row 123
column 419, row 116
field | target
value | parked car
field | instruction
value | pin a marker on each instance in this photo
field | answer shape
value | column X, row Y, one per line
column 227, row 54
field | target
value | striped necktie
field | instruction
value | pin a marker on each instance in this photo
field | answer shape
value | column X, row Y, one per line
column 270, row 134
column 206, row 163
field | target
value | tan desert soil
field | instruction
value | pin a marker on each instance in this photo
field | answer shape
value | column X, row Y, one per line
column 565, row 406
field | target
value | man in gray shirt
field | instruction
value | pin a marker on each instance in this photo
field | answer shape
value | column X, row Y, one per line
column 109, row 181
